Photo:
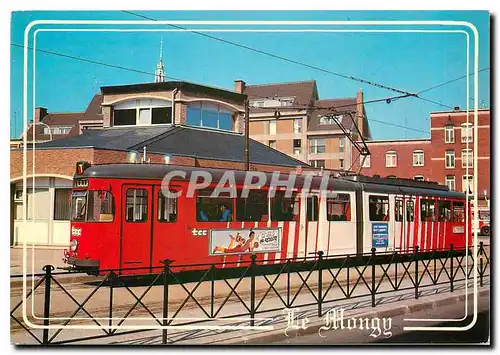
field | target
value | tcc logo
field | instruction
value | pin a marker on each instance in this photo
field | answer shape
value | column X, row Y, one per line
column 199, row 232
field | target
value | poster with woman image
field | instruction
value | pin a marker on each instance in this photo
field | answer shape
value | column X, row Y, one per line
column 241, row 241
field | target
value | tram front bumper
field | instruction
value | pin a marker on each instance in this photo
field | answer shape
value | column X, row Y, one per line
column 83, row 264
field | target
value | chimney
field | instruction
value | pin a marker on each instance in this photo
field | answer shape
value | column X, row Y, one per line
column 239, row 86
column 40, row 113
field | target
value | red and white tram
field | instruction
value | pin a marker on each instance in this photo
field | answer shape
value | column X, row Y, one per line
column 121, row 218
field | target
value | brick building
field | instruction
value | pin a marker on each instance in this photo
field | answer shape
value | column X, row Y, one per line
column 447, row 157
column 291, row 118
column 173, row 122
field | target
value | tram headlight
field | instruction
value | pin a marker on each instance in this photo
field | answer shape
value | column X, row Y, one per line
column 73, row 245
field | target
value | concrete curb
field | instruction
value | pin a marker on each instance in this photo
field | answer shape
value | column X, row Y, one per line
column 269, row 337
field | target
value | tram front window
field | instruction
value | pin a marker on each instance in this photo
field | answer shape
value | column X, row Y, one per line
column 92, row 206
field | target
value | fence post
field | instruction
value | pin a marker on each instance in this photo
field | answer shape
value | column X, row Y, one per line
column 212, row 291
column 166, row 272
column 46, row 306
column 252, row 290
column 110, row 314
column 451, row 268
column 373, row 277
column 288, row 283
column 320, row 283
column 481, row 264
column 416, row 272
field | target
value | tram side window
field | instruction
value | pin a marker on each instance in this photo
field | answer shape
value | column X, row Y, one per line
column 427, row 210
column 458, row 212
column 410, row 211
column 399, row 210
column 92, row 206
column 379, row 208
column 252, row 208
column 312, row 208
column 213, row 209
column 167, row 208
column 338, row 207
column 444, row 211
column 136, row 205
column 284, row 208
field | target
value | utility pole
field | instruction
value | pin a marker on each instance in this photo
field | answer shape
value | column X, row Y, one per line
column 247, row 136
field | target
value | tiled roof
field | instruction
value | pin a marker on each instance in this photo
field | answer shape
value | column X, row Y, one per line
column 332, row 107
column 304, row 92
column 177, row 140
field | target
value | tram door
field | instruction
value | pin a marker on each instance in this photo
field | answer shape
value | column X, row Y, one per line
column 137, row 209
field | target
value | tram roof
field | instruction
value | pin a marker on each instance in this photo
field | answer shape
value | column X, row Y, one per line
column 349, row 183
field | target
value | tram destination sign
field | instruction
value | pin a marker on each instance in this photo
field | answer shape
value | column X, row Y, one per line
column 244, row 241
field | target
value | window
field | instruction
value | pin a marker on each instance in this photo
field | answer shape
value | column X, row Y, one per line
column 366, row 161
column 341, row 164
column 41, row 198
column 444, row 211
column 142, row 112
column 312, row 208
column 252, row 208
column 418, row 158
column 458, row 212
column 466, row 132
column 205, row 114
column 272, row 127
column 213, row 209
column 467, row 158
column 62, row 204
column 57, row 130
column 167, row 208
column 410, row 210
column 450, row 182
column 318, row 163
column 419, row 178
column 284, row 208
column 391, row 159
column 449, row 134
column 329, row 120
column 136, row 205
column 379, row 208
column 161, row 115
column 317, row 145
column 297, row 125
column 467, row 184
column 92, row 206
column 449, row 159
column 399, row 210
column 124, row 117
column 338, row 207
column 427, row 210
column 341, row 144
column 272, row 144
column 297, row 144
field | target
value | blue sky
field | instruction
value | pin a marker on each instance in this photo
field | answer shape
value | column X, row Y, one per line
column 407, row 61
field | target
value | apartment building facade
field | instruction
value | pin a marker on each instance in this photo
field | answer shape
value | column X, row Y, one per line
column 446, row 157
column 291, row 118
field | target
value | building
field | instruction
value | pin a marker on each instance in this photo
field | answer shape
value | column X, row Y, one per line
column 446, row 157
column 47, row 126
column 388, row 157
column 452, row 141
column 291, row 118
column 164, row 123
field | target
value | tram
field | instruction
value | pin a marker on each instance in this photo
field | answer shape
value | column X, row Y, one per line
column 121, row 219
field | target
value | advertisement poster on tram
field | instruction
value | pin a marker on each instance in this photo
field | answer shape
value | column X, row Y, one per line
column 239, row 241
